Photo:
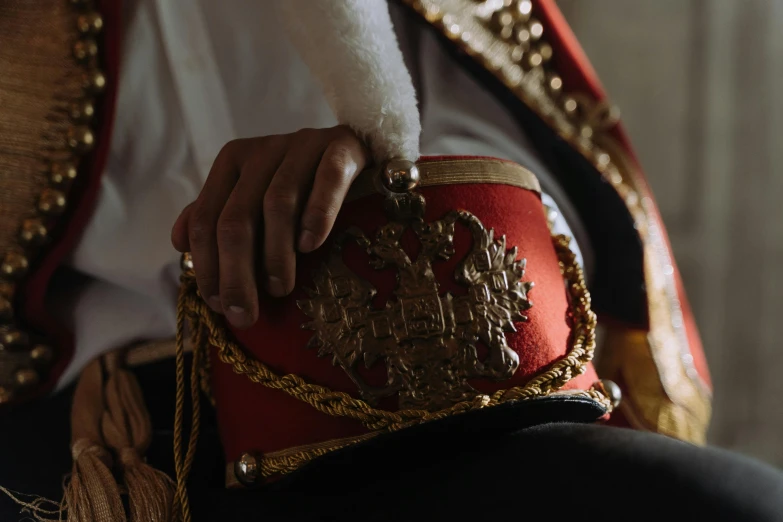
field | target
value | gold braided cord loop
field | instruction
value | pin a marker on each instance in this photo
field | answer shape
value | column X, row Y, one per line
column 182, row 464
column 280, row 465
column 209, row 329
column 287, row 461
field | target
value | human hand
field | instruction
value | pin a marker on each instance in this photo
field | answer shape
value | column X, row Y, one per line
column 264, row 199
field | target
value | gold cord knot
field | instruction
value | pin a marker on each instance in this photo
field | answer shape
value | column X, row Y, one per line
column 128, row 457
column 85, row 445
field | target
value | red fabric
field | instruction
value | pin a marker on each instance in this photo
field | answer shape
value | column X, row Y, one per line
column 578, row 75
column 81, row 202
column 254, row 417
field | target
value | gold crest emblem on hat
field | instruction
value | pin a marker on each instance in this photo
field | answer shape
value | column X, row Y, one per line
column 429, row 342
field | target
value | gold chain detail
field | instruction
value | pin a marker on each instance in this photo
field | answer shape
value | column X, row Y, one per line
column 208, row 328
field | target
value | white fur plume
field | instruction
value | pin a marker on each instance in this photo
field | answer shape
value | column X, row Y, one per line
column 351, row 48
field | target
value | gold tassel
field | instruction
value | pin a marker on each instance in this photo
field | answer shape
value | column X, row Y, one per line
column 91, row 494
column 127, row 429
column 113, row 415
column 108, row 418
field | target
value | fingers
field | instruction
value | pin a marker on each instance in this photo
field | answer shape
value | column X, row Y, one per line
column 282, row 204
column 295, row 183
column 343, row 160
column 202, row 223
column 238, row 234
column 179, row 232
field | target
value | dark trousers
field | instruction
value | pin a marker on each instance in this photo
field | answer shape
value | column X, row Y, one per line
column 551, row 471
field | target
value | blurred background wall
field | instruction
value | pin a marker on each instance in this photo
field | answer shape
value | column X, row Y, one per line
column 700, row 87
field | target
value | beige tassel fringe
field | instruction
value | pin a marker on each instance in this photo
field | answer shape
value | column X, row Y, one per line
column 92, row 493
column 127, row 430
column 109, row 425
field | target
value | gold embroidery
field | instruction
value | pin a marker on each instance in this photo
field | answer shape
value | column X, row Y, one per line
column 47, row 90
column 505, row 39
column 426, row 341
column 456, row 172
column 288, row 460
column 208, row 329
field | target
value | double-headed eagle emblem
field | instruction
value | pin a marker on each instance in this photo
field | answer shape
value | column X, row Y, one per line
column 430, row 343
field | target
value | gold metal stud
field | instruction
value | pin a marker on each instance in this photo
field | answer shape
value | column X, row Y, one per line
column 90, row 23
column 586, row 131
column 93, row 82
column 80, row 139
column 522, row 9
column 555, row 84
column 51, row 202
column 602, row 160
column 507, row 32
column 534, row 60
column 13, row 338
column 85, row 50
column 614, row 175
column 613, row 391
column 536, row 30
column 41, row 354
column 26, row 377
column 62, row 173
column 433, row 13
column 32, row 232
column 522, row 36
column 186, row 265
column 570, row 106
column 546, row 52
column 400, row 175
column 502, row 19
column 248, row 469
column 82, row 111
column 517, row 53
column 6, row 309
column 14, row 264
column 453, row 30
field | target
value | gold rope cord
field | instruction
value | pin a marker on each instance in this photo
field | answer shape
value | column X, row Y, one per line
column 182, row 464
column 209, row 330
column 290, row 459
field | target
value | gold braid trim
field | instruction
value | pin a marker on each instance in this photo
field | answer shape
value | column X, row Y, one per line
column 664, row 392
column 208, row 328
column 290, row 459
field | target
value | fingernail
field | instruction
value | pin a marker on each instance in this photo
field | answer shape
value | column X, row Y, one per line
column 307, row 241
column 214, row 303
column 237, row 316
column 275, row 286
